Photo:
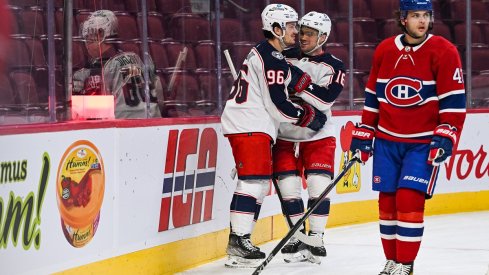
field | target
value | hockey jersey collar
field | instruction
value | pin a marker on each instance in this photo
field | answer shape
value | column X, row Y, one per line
column 401, row 46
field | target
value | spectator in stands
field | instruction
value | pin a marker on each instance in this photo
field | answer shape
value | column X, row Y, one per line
column 112, row 71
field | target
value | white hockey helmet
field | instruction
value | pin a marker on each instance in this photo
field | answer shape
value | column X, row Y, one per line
column 278, row 13
column 317, row 21
column 104, row 20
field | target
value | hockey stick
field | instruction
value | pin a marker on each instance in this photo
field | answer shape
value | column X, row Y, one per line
column 230, row 63
column 182, row 56
column 243, row 9
column 321, row 197
column 309, row 240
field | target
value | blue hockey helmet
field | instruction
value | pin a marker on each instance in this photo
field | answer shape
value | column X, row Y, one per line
column 415, row 5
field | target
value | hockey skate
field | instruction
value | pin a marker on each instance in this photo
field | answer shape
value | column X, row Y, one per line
column 294, row 251
column 316, row 252
column 402, row 269
column 389, row 266
column 242, row 253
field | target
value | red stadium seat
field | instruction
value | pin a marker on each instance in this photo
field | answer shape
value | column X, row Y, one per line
column 25, row 88
column 255, row 27
column 6, row 93
column 173, row 6
column 26, row 52
column 383, row 9
column 174, row 49
column 362, row 57
column 339, row 51
column 342, row 27
column 441, row 29
column 189, row 28
column 32, row 21
column 205, row 54
column 182, row 96
column 159, row 55
column 239, row 52
column 231, row 30
column 460, row 34
column 156, row 29
column 360, row 8
column 478, row 10
column 480, row 57
column 135, row 5
column 128, row 27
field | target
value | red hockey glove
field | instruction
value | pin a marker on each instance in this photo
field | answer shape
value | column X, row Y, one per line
column 311, row 118
column 361, row 143
column 299, row 80
column 444, row 137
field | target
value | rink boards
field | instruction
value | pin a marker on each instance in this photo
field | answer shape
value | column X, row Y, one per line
column 167, row 186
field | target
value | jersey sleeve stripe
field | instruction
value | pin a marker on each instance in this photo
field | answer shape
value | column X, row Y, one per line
column 455, row 92
column 414, row 135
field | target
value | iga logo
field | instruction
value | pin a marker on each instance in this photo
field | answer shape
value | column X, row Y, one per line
column 190, row 174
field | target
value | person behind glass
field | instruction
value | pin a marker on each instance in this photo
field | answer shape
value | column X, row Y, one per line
column 301, row 151
column 257, row 104
column 415, row 109
column 112, row 71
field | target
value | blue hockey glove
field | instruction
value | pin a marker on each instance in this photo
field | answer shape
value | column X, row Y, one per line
column 444, row 137
column 311, row 118
column 299, row 80
column 361, row 143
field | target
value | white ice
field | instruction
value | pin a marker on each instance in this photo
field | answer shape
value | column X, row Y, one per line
column 455, row 244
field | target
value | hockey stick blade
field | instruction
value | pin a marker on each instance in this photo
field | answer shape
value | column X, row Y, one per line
column 306, row 215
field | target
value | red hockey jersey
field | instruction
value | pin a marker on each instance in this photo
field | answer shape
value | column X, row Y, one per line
column 413, row 89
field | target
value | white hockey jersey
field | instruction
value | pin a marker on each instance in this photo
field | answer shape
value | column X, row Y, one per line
column 128, row 91
column 327, row 74
column 258, row 100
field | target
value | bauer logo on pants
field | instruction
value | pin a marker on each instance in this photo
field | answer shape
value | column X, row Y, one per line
column 190, row 174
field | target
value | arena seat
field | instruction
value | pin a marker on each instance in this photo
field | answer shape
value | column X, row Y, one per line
column 189, row 28
column 156, row 28
column 362, row 57
column 128, row 27
column 173, row 50
column 339, row 50
column 231, row 30
column 460, row 34
column 382, row 10
column 135, row 6
column 24, row 88
column 6, row 93
column 480, row 57
column 159, row 55
column 360, row 8
column 205, row 55
column 239, row 52
column 478, row 10
column 173, row 6
column 32, row 21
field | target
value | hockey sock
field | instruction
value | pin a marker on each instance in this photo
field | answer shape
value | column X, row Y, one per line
column 316, row 184
column 388, row 224
column 246, row 204
column 410, row 213
column 319, row 217
column 295, row 209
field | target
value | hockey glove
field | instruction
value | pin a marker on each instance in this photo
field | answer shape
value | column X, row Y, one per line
column 444, row 137
column 361, row 143
column 311, row 118
column 299, row 80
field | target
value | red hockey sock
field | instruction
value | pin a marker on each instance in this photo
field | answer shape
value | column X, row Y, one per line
column 388, row 223
column 410, row 213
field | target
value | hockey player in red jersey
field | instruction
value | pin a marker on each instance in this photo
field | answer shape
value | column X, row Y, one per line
column 257, row 104
column 303, row 151
column 415, row 109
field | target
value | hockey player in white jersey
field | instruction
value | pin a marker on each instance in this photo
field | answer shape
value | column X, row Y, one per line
column 257, row 104
column 111, row 71
column 301, row 151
